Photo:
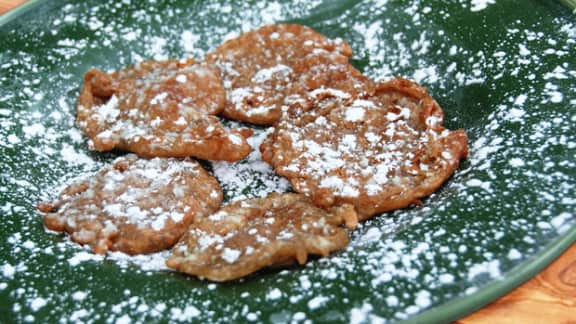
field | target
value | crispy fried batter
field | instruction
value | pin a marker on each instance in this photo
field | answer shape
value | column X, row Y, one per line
column 134, row 205
column 318, row 75
column 250, row 235
column 322, row 70
column 350, row 147
column 257, row 68
column 380, row 152
column 159, row 109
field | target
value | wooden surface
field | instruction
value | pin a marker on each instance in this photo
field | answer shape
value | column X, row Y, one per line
column 550, row 297
column 6, row 5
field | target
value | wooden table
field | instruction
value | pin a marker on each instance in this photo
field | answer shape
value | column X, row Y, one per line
column 6, row 5
column 550, row 297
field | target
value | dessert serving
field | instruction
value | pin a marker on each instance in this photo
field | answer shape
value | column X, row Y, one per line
column 351, row 147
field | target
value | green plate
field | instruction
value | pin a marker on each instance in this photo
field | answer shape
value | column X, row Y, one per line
column 503, row 70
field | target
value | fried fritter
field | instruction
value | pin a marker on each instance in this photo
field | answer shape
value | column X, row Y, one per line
column 163, row 109
column 134, row 205
column 379, row 152
column 257, row 68
column 323, row 70
column 250, row 235
column 318, row 75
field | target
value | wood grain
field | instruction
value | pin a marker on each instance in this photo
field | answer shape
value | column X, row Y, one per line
column 550, row 297
column 6, row 5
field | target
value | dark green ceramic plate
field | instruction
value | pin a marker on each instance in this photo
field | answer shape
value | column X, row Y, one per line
column 503, row 70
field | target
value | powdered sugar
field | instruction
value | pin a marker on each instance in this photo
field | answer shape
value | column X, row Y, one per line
column 251, row 177
column 478, row 5
column 264, row 75
column 513, row 96
column 355, row 114
column 84, row 256
column 230, row 255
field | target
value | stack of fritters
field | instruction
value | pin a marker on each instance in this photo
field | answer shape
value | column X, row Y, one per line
column 351, row 147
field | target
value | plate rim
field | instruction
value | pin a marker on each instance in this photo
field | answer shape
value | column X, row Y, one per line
column 456, row 308
column 526, row 270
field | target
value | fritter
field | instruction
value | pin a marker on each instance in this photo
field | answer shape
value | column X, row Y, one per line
column 379, row 152
column 257, row 68
column 322, row 74
column 159, row 109
column 134, row 205
column 323, row 70
column 250, row 235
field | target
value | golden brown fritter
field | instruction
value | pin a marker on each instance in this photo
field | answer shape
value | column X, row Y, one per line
column 322, row 70
column 161, row 109
column 379, row 152
column 134, row 205
column 250, row 235
column 257, row 68
column 319, row 75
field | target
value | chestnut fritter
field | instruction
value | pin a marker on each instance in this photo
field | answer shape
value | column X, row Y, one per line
column 163, row 109
column 257, row 68
column 134, row 205
column 378, row 152
column 250, row 235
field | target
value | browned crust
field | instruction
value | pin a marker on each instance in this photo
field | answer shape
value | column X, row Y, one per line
column 163, row 109
column 99, row 211
column 278, row 230
column 429, row 143
column 243, row 58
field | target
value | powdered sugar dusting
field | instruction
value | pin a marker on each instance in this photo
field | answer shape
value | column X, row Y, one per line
column 515, row 98
column 478, row 5
column 252, row 177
